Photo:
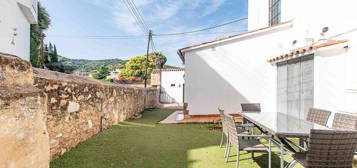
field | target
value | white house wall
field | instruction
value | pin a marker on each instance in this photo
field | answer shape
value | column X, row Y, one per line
column 14, row 19
column 172, row 94
column 335, row 67
column 7, row 24
column 335, row 78
column 234, row 72
column 226, row 74
column 22, row 40
column 309, row 16
column 258, row 14
column 312, row 16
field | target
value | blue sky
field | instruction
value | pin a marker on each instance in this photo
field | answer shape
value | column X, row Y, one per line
column 74, row 20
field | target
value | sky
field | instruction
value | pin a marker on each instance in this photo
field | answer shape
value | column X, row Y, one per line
column 75, row 22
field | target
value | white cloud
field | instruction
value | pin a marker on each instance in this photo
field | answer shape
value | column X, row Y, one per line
column 213, row 7
column 142, row 2
column 171, row 16
column 166, row 11
column 123, row 19
column 152, row 11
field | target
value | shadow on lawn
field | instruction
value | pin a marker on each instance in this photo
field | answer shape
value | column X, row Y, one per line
column 261, row 159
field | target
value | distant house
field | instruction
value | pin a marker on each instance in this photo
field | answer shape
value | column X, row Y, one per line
column 83, row 74
column 15, row 19
column 296, row 55
column 114, row 74
column 171, row 84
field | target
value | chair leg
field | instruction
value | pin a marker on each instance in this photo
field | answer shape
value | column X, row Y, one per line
column 238, row 157
column 291, row 164
column 269, row 159
column 227, row 144
column 281, row 155
column 228, row 152
column 253, row 156
column 222, row 138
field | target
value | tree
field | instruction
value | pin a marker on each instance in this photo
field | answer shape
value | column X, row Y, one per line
column 47, row 54
column 101, row 73
column 159, row 59
column 34, row 53
column 60, row 67
column 135, row 67
column 44, row 22
column 55, row 54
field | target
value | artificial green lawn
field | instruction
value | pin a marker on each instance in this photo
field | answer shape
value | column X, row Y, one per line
column 143, row 143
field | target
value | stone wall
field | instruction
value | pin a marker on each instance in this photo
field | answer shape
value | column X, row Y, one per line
column 44, row 114
column 79, row 107
column 24, row 140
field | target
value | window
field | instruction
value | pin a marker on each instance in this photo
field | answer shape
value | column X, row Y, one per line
column 295, row 91
column 274, row 12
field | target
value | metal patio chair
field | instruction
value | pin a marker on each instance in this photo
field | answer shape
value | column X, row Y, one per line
column 225, row 130
column 249, row 108
column 344, row 122
column 318, row 116
column 328, row 149
column 235, row 136
column 224, row 127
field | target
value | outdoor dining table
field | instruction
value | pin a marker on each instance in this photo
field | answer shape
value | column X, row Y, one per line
column 283, row 127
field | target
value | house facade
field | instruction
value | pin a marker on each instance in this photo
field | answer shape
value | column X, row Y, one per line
column 114, row 74
column 171, row 84
column 16, row 16
column 295, row 55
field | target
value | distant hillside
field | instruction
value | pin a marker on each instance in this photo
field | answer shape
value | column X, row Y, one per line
column 84, row 65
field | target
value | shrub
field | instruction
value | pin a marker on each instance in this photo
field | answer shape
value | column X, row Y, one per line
column 108, row 80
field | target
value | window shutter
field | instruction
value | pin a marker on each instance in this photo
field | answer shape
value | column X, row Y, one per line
column 294, row 80
column 295, row 86
column 282, row 87
column 307, row 93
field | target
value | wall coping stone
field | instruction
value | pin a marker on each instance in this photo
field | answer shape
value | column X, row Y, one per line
column 62, row 77
column 14, row 71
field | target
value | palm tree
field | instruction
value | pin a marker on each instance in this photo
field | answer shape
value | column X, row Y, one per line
column 159, row 59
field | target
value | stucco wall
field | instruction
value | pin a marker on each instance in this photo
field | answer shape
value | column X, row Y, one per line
column 335, row 78
column 227, row 74
column 172, row 94
column 258, row 14
column 335, row 84
column 13, row 21
column 78, row 107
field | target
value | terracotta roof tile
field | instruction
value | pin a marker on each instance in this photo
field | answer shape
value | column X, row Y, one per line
column 169, row 69
column 306, row 49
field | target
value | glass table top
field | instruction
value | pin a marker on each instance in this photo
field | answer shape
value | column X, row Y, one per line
column 282, row 125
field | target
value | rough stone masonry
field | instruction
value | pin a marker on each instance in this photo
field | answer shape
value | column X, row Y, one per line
column 44, row 114
column 24, row 140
